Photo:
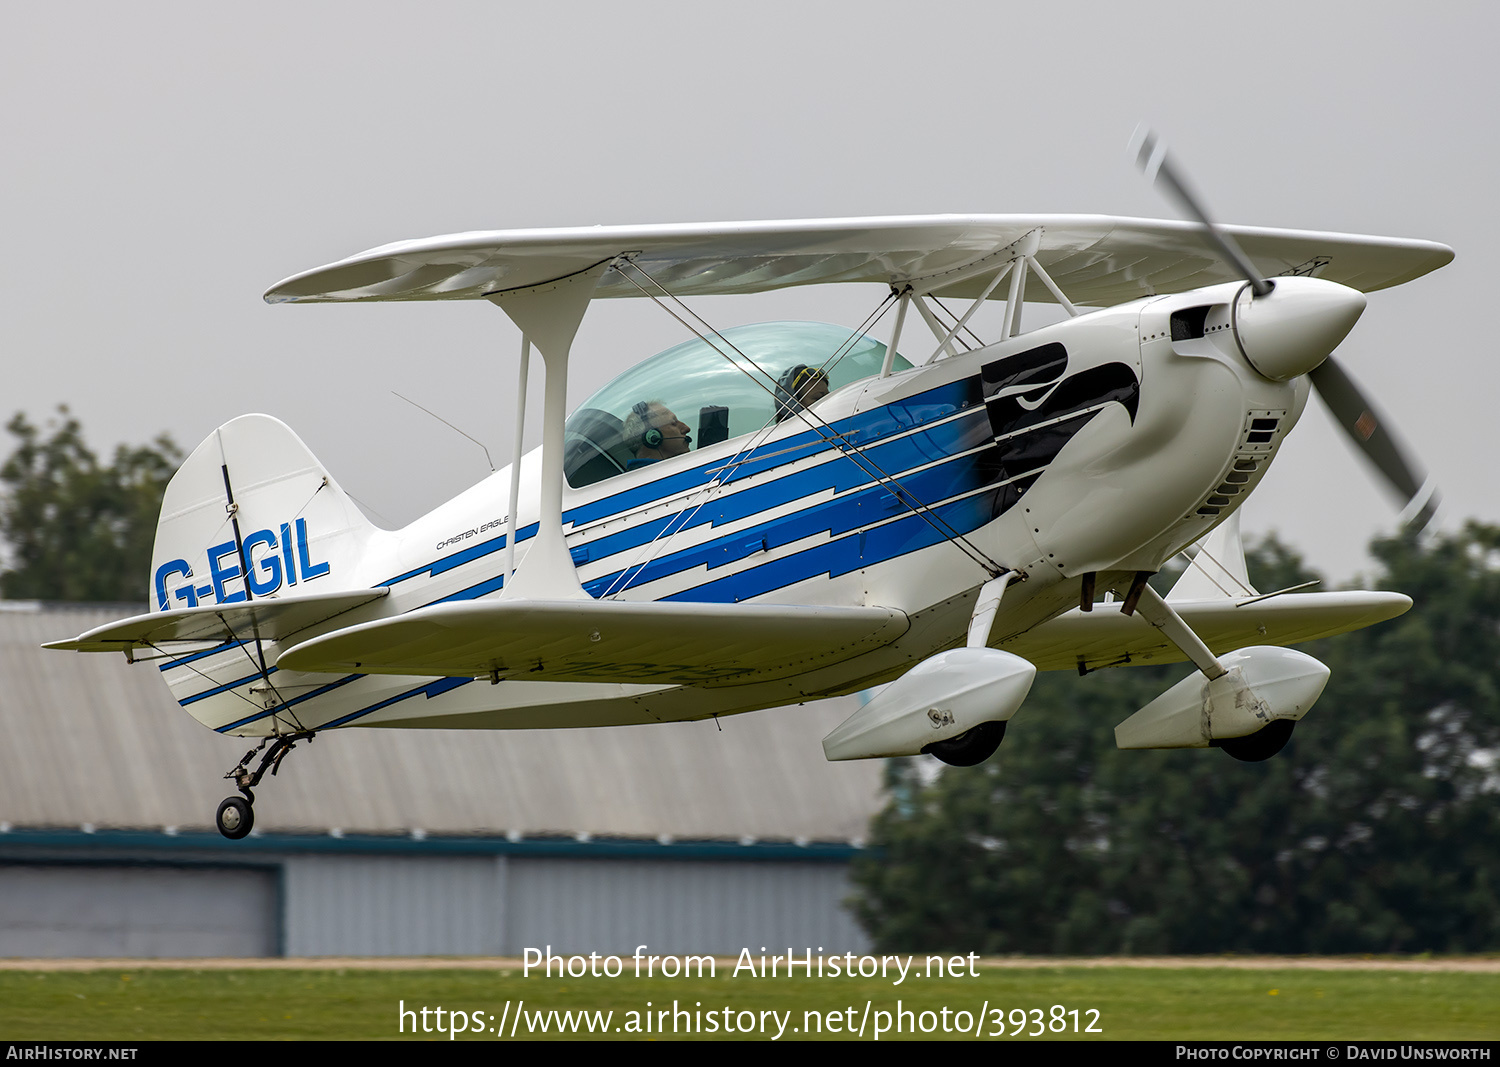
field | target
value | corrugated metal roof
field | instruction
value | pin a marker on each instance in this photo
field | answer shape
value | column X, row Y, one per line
column 88, row 740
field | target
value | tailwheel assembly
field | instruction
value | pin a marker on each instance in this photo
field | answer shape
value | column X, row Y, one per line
column 236, row 815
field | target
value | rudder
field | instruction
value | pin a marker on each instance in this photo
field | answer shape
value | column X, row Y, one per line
column 253, row 514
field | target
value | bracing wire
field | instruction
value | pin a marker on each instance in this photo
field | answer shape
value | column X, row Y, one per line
column 850, row 450
column 690, row 512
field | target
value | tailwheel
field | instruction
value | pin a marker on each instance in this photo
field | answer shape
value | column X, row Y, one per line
column 1261, row 745
column 236, row 815
column 235, row 818
column 971, row 747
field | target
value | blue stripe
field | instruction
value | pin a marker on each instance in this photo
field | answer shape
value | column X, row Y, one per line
column 286, row 704
column 185, row 701
column 852, row 552
column 181, row 660
column 430, row 690
column 467, row 555
column 894, row 418
column 473, row 592
column 839, row 475
column 864, row 508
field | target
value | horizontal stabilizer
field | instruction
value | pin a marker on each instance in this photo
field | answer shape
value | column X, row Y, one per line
column 603, row 640
column 269, row 620
column 1105, row 637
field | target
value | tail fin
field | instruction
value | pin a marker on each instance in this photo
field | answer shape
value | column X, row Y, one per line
column 253, row 514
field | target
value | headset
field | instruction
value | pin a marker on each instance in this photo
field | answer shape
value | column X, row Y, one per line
column 651, row 437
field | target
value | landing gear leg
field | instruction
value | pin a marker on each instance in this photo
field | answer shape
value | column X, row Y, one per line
column 1161, row 615
column 236, row 815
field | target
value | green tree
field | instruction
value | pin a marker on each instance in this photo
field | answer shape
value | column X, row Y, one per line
column 76, row 529
column 1373, row 831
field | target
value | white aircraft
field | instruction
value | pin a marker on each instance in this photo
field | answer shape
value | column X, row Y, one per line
column 783, row 512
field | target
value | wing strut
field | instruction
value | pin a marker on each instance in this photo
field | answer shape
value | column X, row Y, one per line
column 890, row 349
column 548, row 315
column 1022, row 258
column 515, row 460
column 983, row 619
column 1164, row 617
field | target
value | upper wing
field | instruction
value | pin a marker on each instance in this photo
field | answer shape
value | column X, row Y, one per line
column 1098, row 260
column 1105, row 638
column 603, row 640
column 269, row 620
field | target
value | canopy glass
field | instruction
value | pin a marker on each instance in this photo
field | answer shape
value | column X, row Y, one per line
column 698, row 393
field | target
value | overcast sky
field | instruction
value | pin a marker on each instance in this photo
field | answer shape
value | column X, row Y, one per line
column 166, row 163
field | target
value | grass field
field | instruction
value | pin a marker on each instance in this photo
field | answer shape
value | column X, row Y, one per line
column 124, row 1003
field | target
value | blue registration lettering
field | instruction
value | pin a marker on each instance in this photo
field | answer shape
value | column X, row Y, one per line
column 309, row 569
column 270, row 563
column 176, row 566
column 286, row 554
column 221, row 575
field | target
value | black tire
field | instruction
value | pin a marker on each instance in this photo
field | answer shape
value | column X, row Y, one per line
column 1261, row 745
column 235, row 818
column 970, row 748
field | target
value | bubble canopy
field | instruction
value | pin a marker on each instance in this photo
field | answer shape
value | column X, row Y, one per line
column 714, row 390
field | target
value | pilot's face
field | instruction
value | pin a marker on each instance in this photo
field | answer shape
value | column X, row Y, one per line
column 814, row 391
column 676, row 439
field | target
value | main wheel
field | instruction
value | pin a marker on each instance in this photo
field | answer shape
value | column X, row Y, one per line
column 970, row 747
column 235, row 818
column 1261, row 745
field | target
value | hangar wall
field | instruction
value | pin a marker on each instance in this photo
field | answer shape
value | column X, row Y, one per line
column 119, row 896
column 111, row 909
column 688, row 837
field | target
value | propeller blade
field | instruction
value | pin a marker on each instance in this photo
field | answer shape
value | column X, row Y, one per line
column 1151, row 156
column 1354, row 413
column 1372, row 435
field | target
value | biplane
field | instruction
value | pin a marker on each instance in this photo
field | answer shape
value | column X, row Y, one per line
column 780, row 512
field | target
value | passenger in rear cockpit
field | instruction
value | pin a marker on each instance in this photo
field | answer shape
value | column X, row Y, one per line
column 799, row 386
column 654, row 433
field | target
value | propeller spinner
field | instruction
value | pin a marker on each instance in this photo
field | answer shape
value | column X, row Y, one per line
column 1290, row 326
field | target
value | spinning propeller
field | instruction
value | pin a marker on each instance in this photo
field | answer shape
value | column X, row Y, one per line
column 1291, row 326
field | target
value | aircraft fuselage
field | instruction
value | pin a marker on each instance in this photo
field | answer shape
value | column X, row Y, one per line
column 1095, row 445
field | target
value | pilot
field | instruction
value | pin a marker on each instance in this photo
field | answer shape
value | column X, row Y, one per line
column 654, row 433
column 798, row 387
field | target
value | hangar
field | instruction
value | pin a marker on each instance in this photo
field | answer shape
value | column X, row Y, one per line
column 686, row 837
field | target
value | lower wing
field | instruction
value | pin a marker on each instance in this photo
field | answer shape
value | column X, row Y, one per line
column 603, row 640
column 1105, row 637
